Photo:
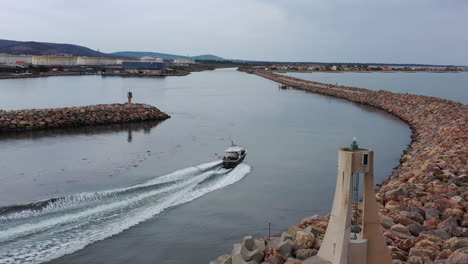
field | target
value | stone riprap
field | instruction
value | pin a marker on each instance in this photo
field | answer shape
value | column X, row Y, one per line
column 34, row 119
column 424, row 202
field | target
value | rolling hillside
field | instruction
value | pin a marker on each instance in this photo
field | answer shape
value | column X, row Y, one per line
column 139, row 54
column 43, row 48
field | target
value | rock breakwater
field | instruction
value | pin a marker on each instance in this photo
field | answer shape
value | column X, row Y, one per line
column 34, row 119
column 423, row 204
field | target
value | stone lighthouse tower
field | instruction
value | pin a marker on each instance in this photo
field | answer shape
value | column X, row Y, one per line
column 343, row 244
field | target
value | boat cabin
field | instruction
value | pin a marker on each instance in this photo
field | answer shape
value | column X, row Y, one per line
column 234, row 153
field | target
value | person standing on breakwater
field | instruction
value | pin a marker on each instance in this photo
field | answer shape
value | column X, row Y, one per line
column 129, row 96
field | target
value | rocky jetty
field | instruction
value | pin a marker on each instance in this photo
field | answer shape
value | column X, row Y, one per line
column 34, row 119
column 423, row 203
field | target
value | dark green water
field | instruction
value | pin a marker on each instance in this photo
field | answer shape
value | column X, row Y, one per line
column 289, row 173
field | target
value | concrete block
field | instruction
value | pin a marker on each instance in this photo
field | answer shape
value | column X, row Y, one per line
column 248, row 242
column 313, row 230
column 237, row 259
column 237, row 249
column 260, row 245
column 285, row 247
column 303, row 254
column 292, row 230
column 285, row 236
column 224, row 259
column 247, row 255
column 274, row 242
column 315, row 260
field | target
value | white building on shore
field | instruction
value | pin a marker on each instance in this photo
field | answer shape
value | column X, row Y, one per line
column 95, row 61
column 183, row 61
column 151, row 59
column 15, row 59
column 63, row 60
column 54, row 60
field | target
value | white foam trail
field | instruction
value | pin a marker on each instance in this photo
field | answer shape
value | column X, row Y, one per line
column 50, row 222
column 87, row 197
column 236, row 175
column 54, row 237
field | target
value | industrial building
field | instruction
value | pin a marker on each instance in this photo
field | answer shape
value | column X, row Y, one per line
column 183, row 62
column 149, row 59
column 95, row 61
column 54, row 60
column 15, row 59
column 144, row 67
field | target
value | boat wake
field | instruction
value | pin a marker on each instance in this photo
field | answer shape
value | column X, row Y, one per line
column 45, row 230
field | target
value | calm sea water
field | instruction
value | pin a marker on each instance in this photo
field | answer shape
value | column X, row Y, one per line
column 452, row 86
column 131, row 193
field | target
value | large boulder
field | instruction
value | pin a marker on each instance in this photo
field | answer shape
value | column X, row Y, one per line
column 415, row 216
column 401, row 228
column 394, row 235
column 459, row 243
column 304, row 239
column 293, row 261
column 285, row 236
column 292, row 231
column 303, row 254
column 415, row 229
column 386, row 223
column 437, row 261
column 274, row 260
column 437, row 233
column 312, row 229
column 404, row 244
column 431, row 223
column 397, row 192
column 424, row 253
column 398, row 253
column 283, row 247
column 431, row 213
column 460, row 256
column 448, row 225
column 456, row 213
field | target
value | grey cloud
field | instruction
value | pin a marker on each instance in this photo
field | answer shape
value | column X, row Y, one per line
column 417, row 31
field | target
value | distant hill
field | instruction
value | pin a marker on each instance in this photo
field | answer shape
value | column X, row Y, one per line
column 44, row 48
column 5, row 42
column 208, row 57
column 139, row 54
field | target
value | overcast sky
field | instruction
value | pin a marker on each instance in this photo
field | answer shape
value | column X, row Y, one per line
column 392, row 31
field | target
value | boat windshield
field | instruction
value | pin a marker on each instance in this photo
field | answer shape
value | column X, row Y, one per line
column 232, row 155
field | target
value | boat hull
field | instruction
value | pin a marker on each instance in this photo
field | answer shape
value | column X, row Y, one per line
column 229, row 164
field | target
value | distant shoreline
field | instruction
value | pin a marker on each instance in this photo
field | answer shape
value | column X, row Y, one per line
column 42, row 75
column 402, row 71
